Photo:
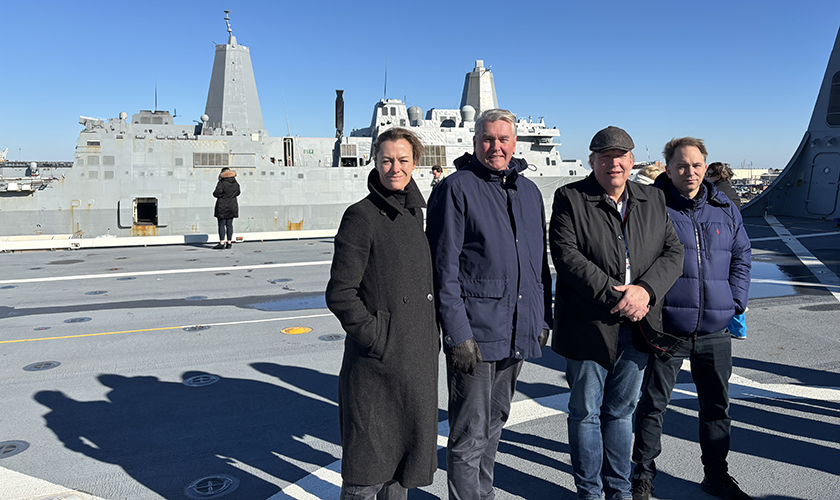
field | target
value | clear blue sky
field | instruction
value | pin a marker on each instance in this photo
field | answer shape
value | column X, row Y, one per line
column 742, row 75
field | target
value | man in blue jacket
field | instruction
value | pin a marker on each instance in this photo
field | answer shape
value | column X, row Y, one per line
column 486, row 228
column 713, row 288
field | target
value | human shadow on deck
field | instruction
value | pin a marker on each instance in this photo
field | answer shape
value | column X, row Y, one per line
column 166, row 434
column 292, row 301
column 768, row 444
column 803, row 375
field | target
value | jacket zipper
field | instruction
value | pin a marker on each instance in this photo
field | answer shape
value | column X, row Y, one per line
column 699, row 271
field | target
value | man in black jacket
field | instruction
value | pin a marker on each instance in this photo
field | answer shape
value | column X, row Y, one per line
column 616, row 254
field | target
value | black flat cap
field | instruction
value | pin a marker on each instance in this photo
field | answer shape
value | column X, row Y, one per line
column 611, row 138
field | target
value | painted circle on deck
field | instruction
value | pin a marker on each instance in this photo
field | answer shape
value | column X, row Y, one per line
column 296, row 330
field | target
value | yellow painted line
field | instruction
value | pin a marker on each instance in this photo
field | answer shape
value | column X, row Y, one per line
column 164, row 328
column 163, row 271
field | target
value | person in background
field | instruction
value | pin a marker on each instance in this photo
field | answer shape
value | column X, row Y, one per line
column 437, row 175
column 380, row 289
column 714, row 286
column 720, row 174
column 486, row 228
column 227, row 208
column 649, row 174
column 616, row 254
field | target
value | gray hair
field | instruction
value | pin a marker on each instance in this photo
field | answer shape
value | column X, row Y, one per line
column 494, row 115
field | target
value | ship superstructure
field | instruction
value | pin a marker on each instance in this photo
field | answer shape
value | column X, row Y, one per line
column 147, row 175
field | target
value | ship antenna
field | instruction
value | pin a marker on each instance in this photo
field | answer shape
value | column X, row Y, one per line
column 288, row 131
column 227, row 21
column 155, row 93
column 385, row 91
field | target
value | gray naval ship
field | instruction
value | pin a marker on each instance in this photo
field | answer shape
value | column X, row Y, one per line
column 148, row 176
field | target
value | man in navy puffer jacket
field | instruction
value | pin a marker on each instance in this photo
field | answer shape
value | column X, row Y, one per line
column 713, row 288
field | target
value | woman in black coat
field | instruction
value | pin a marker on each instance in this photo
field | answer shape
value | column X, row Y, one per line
column 720, row 174
column 380, row 289
column 227, row 209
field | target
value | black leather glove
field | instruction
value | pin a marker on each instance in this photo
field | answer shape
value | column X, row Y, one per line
column 464, row 356
column 543, row 338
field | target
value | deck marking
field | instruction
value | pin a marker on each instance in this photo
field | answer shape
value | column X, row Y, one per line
column 810, row 235
column 325, row 482
column 266, row 320
column 820, row 270
column 165, row 271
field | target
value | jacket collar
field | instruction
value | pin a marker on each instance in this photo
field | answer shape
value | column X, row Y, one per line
column 506, row 177
column 383, row 198
column 593, row 191
column 676, row 200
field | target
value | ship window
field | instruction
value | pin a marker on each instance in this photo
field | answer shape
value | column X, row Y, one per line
column 554, row 162
column 433, row 155
column 145, row 211
column 179, row 162
column 170, row 173
column 449, row 123
column 571, row 172
column 93, row 144
column 109, row 174
column 349, row 162
column 230, row 132
column 145, row 120
column 93, row 174
column 460, row 140
column 263, row 172
column 93, row 160
column 548, row 161
column 272, row 173
column 300, row 176
column 108, row 160
column 833, row 115
column 157, row 120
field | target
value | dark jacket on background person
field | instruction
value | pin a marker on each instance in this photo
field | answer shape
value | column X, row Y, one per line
column 492, row 280
column 715, row 280
column 380, row 289
column 227, row 189
column 587, row 240
column 725, row 187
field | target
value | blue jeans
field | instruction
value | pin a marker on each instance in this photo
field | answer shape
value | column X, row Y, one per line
column 600, row 420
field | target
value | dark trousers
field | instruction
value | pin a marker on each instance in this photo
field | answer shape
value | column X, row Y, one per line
column 392, row 490
column 225, row 225
column 479, row 406
column 711, row 366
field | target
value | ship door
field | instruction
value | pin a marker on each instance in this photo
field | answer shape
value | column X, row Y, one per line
column 145, row 211
column 289, row 151
column 823, row 189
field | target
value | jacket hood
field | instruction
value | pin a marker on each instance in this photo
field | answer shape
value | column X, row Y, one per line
column 227, row 173
column 413, row 197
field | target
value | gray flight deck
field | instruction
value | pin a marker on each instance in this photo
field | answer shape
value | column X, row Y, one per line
column 114, row 420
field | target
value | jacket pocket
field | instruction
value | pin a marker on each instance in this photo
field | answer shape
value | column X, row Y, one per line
column 488, row 308
column 383, row 328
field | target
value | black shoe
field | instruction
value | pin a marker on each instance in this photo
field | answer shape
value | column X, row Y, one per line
column 220, row 246
column 725, row 487
column 642, row 488
column 228, row 245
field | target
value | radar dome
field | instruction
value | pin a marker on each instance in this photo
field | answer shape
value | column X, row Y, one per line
column 123, row 115
column 414, row 114
column 205, row 118
column 468, row 113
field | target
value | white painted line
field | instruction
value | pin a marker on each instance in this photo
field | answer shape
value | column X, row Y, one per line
column 165, row 271
column 820, row 270
column 794, row 283
column 17, row 486
column 811, row 235
column 316, row 484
